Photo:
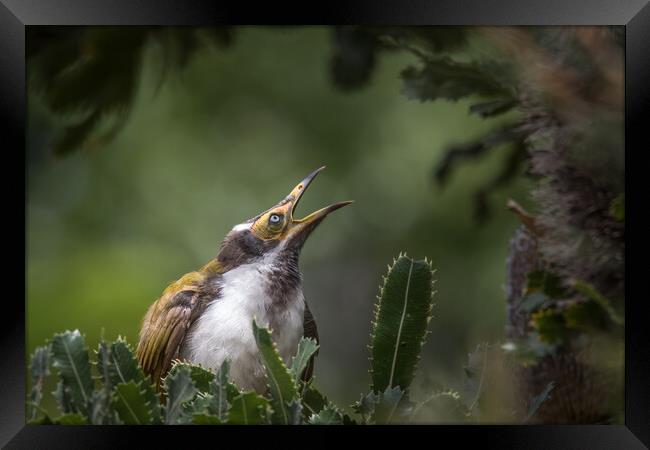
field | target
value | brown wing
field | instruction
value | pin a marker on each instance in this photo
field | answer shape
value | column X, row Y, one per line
column 166, row 324
column 309, row 331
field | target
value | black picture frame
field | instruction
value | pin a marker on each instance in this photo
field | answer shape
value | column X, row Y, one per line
column 15, row 15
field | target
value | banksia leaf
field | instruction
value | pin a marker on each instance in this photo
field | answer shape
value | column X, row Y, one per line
column 117, row 364
column 100, row 409
column 281, row 383
column 329, row 415
column 39, row 369
column 70, row 358
column 312, row 401
column 201, row 377
column 388, row 408
column 306, row 348
column 180, row 389
column 130, row 404
column 402, row 315
column 221, row 393
column 248, row 408
column 63, row 398
column 366, row 406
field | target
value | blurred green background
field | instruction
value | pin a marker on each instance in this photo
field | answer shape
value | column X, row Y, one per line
column 226, row 138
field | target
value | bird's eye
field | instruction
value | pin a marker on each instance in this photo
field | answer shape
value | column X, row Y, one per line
column 275, row 219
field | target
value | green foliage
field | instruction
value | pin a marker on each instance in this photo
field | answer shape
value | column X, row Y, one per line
column 402, row 315
column 444, row 78
column 195, row 395
column 70, row 358
column 248, row 408
column 306, row 348
column 281, row 383
column 180, row 388
column 39, row 370
column 131, row 404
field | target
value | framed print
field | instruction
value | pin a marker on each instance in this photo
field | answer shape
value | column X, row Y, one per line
column 374, row 218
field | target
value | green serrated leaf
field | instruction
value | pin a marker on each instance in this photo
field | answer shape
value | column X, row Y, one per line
column 39, row 370
column 281, row 383
column 200, row 376
column 248, row 408
column 100, row 410
column 329, row 415
column 180, row 388
column 117, row 364
column 306, row 348
column 70, row 358
column 388, row 408
column 403, row 314
column 131, row 404
column 312, row 401
column 63, row 398
column 366, row 406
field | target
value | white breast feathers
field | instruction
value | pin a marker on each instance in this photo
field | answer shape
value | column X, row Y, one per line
column 224, row 331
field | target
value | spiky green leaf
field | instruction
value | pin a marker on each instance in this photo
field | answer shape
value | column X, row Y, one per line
column 248, row 408
column 388, row 408
column 70, row 358
column 306, row 348
column 312, row 401
column 281, row 383
column 403, row 313
column 131, row 404
column 200, row 376
column 39, row 369
column 117, row 364
column 329, row 415
column 179, row 388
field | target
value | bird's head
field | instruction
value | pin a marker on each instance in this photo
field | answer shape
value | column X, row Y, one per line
column 274, row 232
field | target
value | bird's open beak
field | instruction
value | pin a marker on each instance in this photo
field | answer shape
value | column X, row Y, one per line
column 306, row 224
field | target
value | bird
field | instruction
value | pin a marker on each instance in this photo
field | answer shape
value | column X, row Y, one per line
column 205, row 317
